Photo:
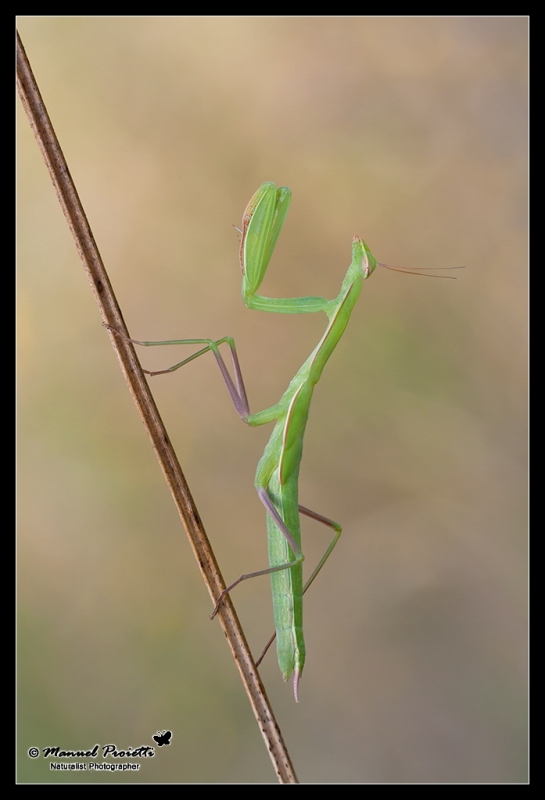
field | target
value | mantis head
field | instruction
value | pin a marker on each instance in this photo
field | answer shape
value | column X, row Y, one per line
column 363, row 256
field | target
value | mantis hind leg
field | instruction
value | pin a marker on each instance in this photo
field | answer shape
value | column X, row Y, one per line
column 331, row 524
column 299, row 557
column 338, row 530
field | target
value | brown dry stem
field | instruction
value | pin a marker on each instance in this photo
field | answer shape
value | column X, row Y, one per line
column 139, row 389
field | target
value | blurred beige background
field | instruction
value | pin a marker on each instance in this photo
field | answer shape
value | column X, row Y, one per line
column 409, row 131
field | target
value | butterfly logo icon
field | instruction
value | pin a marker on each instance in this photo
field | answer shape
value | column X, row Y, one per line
column 162, row 737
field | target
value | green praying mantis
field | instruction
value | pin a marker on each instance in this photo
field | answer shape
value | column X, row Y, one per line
column 277, row 475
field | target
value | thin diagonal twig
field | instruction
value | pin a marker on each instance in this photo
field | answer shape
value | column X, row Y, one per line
column 111, row 316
